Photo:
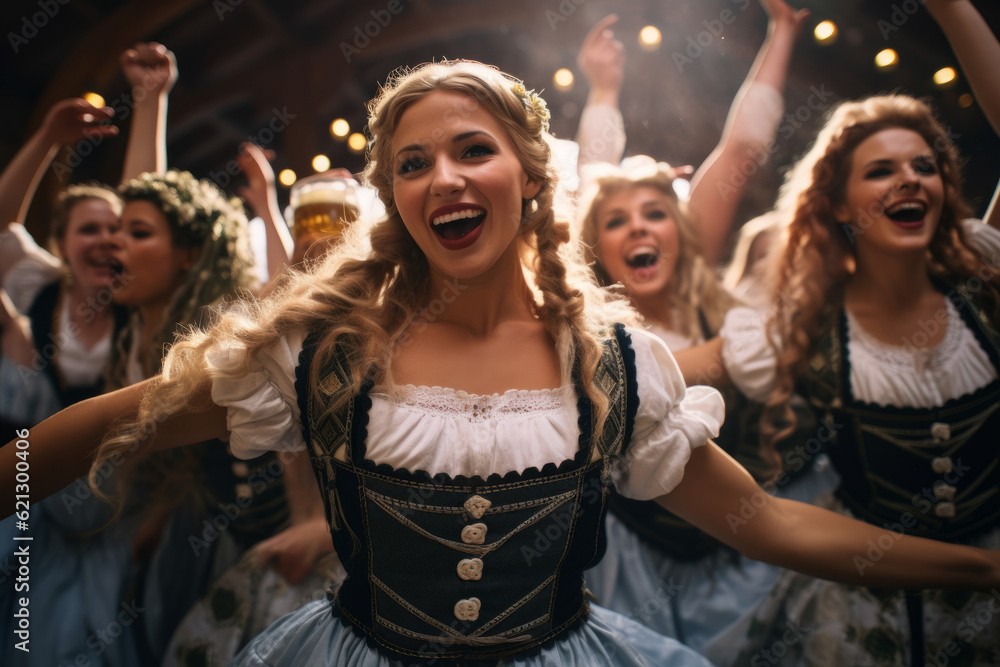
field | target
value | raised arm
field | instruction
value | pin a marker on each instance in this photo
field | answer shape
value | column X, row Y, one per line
column 749, row 132
column 720, row 497
column 978, row 52
column 262, row 198
column 67, row 122
column 601, row 135
column 61, row 448
column 151, row 70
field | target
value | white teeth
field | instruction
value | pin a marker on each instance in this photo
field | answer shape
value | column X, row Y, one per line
column 643, row 250
column 907, row 206
column 457, row 215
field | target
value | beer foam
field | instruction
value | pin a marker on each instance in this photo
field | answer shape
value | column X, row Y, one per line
column 325, row 196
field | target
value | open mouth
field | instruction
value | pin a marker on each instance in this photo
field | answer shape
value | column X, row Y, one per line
column 458, row 225
column 644, row 257
column 907, row 212
column 116, row 267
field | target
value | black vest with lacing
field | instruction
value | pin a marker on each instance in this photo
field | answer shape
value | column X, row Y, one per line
column 929, row 472
column 462, row 568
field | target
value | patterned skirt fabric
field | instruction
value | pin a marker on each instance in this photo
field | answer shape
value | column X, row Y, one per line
column 810, row 622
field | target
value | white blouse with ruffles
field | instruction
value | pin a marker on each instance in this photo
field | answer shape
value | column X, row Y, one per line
column 881, row 374
column 500, row 433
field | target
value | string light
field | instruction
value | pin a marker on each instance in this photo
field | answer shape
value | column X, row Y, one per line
column 945, row 76
column 650, row 38
column 357, row 142
column 887, row 58
column 340, row 128
column 287, row 177
column 825, row 33
column 321, row 163
column 563, row 79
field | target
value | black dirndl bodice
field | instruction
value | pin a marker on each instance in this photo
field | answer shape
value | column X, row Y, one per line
column 931, row 472
column 456, row 568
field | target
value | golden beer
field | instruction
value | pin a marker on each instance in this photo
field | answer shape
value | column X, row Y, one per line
column 324, row 211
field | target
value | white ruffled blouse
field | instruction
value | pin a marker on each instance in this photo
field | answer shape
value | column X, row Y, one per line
column 881, row 374
column 499, row 433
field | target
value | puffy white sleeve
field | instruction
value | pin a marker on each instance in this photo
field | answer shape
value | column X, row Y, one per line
column 670, row 421
column 25, row 267
column 749, row 359
column 984, row 238
column 262, row 411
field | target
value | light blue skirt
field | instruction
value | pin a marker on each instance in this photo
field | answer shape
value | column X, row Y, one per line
column 694, row 602
column 314, row 636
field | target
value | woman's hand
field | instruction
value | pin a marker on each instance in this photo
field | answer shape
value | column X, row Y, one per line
column 602, row 59
column 780, row 13
column 296, row 549
column 75, row 119
column 151, row 66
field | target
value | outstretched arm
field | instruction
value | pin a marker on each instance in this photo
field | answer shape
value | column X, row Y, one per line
column 62, row 447
column 262, row 198
column 978, row 52
column 753, row 120
column 67, row 122
column 601, row 135
column 716, row 493
column 151, row 70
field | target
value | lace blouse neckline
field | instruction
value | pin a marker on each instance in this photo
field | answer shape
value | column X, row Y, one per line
column 477, row 407
column 910, row 355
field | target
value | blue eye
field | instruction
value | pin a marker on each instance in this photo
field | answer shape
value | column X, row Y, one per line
column 410, row 165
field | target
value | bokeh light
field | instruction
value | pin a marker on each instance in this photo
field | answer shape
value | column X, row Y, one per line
column 287, row 177
column 945, row 76
column 825, row 33
column 563, row 79
column 650, row 38
column 321, row 163
column 340, row 128
column 357, row 142
column 887, row 58
column 94, row 99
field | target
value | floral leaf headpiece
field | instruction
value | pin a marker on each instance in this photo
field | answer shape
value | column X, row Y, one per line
column 533, row 103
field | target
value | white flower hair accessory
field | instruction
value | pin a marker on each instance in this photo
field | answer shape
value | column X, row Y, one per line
column 533, row 103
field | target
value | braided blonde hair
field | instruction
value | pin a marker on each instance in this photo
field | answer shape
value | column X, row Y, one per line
column 366, row 292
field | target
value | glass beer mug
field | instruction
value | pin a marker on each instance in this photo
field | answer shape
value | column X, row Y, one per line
column 322, row 206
